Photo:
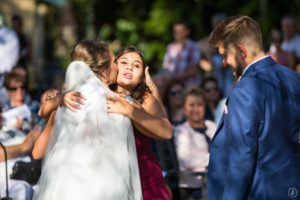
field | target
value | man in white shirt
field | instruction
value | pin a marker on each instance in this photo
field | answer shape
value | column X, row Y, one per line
column 291, row 42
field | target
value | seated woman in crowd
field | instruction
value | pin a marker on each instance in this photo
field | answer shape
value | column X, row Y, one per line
column 173, row 101
column 16, row 111
column 213, row 95
column 192, row 140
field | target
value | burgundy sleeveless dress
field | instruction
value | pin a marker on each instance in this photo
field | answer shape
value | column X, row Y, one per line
column 152, row 181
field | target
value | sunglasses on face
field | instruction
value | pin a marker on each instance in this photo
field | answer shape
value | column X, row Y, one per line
column 175, row 92
column 15, row 88
column 211, row 89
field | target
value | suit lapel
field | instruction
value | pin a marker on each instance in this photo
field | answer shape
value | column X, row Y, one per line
column 221, row 123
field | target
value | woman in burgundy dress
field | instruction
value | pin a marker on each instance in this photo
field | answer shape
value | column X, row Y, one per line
column 132, row 80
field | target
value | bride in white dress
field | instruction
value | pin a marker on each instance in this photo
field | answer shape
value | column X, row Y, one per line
column 91, row 154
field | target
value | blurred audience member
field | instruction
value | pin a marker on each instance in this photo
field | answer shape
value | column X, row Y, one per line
column 291, row 40
column 224, row 74
column 24, row 48
column 9, row 49
column 206, row 49
column 276, row 52
column 160, row 79
column 22, row 72
column 173, row 101
column 183, row 56
column 16, row 142
column 16, row 111
column 212, row 95
column 192, row 142
column 297, row 67
column 18, row 145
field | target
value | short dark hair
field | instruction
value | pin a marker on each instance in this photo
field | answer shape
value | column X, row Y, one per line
column 194, row 91
column 169, row 86
column 12, row 76
column 17, row 18
column 208, row 79
column 237, row 30
column 181, row 22
column 289, row 16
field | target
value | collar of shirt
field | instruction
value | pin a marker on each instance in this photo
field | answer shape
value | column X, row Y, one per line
column 248, row 66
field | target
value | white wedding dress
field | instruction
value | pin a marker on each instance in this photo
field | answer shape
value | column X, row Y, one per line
column 91, row 154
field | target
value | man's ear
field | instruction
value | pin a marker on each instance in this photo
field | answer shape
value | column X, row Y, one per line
column 242, row 51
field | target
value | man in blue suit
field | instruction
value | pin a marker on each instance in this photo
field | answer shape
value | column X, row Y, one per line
column 255, row 153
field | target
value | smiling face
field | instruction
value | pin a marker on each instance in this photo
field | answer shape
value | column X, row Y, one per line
column 194, row 108
column 131, row 70
column 16, row 91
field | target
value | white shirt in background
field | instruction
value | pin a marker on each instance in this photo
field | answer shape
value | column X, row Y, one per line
column 9, row 49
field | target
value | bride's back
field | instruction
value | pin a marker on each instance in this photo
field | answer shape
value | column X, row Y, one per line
column 91, row 154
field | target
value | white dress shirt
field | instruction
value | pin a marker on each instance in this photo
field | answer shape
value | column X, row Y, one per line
column 292, row 45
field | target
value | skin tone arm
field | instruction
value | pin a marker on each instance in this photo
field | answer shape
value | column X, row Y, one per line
column 23, row 148
column 155, row 123
column 41, row 143
column 67, row 99
column 148, row 118
column 203, row 64
column 189, row 73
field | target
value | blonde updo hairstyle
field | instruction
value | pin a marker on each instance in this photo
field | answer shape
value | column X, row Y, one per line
column 95, row 53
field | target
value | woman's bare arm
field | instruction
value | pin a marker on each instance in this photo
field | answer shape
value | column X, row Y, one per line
column 41, row 143
column 148, row 118
column 48, row 106
column 71, row 99
column 25, row 147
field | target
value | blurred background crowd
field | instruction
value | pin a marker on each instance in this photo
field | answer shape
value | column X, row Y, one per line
column 36, row 37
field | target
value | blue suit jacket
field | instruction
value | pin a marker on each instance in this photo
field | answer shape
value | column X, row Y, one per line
column 255, row 153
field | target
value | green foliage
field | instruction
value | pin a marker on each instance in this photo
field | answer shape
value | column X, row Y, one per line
column 147, row 23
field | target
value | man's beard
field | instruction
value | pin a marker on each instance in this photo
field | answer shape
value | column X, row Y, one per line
column 238, row 70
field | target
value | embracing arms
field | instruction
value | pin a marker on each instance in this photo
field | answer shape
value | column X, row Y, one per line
column 150, row 118
column 41, row 143
column 71, row 99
